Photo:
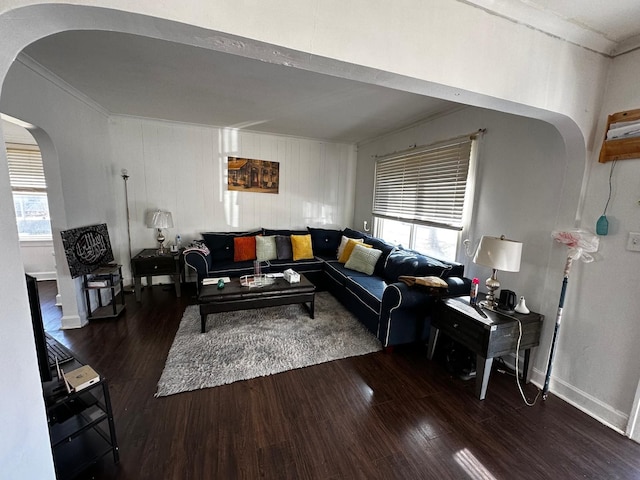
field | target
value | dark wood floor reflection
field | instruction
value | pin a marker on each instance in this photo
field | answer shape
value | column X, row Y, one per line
column 379, row 416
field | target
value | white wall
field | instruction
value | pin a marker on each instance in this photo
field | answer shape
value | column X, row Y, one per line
column 608, row 305
column 38, row 259
column 73, row 140
column 182, row 169
column 525, row 188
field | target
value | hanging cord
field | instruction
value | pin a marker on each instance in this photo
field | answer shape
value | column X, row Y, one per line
column 610, row 186
column 524, row 398
column 517, row 368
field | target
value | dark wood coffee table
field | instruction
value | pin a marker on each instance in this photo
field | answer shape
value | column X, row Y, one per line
column 235, row 297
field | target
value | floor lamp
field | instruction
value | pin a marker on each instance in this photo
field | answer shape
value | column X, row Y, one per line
column 581, row 243
column 125, row 177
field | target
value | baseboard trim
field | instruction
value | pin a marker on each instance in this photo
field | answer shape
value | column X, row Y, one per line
column 605, row 414
column 68, row 322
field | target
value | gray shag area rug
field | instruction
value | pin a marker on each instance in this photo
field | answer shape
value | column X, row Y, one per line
column 254, row 343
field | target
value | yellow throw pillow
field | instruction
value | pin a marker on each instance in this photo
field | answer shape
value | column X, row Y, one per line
column 348, row 248
column 301, row 246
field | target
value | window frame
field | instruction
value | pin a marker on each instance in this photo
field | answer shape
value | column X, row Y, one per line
column 467, row 201
column 26, row 176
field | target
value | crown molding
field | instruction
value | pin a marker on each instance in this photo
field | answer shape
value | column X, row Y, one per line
column 51, row 77
column 548, row 23
column 627, row 46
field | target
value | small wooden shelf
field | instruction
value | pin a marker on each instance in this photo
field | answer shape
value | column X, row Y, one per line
column 622, row 148
column 106, row 277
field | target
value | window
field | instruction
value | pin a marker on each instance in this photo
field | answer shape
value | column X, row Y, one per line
column 419, row 197
column 29, row 192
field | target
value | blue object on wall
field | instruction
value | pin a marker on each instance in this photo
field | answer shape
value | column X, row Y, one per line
column 602, row 226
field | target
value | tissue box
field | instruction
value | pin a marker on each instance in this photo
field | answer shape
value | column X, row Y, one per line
column 291, row 276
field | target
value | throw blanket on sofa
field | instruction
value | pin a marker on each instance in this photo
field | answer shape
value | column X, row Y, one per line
column 432, row 282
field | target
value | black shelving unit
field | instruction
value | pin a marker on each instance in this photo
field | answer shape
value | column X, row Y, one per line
column 81, row 426
column 106, row 277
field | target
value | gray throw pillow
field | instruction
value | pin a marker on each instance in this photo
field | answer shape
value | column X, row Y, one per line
column 266, row 248
column 283, row 247
column 363, row 259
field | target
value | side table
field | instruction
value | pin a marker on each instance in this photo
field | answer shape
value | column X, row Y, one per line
column 105, row 277
column 488, row 337
column 149, row 263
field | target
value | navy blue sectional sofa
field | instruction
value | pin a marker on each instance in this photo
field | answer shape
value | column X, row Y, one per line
column 394, row 312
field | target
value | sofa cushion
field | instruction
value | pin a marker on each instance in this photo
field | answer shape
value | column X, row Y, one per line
column 408, row 262
column 325, row 241
column 244, row 248
column 348, row 248
column 368, row 289
column 385, row 248
column 302, row 247
column 221, row 243
column 268, row 232
column 231, row 269
column 283, row 247
column 343, row 243
column 363, row 259
column 338, row 273
column 266, row 248
column 300, row 266
column 347, row 232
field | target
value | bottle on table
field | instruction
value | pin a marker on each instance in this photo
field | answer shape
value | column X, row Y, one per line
column 473, row 295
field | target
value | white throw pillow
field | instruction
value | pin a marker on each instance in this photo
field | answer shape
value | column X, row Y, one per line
column 363, row 259
column 343, row 243
column 266, row 248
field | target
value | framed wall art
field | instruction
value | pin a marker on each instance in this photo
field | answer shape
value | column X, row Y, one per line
column 86, row 248
column 249, row 175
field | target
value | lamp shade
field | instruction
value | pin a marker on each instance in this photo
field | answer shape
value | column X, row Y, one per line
column 499, row 253
column 161, row 219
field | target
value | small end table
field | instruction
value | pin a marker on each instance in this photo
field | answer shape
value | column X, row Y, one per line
column 149, row 263
column 489, row 337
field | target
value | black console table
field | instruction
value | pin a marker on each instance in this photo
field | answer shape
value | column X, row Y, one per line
column 489, row 337
column 81, row 425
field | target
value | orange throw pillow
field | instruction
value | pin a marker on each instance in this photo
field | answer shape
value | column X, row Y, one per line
column 244, row 248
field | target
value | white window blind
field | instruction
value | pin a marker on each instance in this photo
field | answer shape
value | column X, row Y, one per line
column 25, row 170
column 425, row 186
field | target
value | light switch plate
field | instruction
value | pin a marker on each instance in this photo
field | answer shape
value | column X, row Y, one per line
column 633, row 243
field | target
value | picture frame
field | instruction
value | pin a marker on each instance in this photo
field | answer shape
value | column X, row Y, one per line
column 251, row 175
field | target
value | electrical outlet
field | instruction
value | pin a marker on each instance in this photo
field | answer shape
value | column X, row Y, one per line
column 633, row 243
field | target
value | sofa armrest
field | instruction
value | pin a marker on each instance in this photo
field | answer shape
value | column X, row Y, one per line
column 199, row 261
column 400, row 295
column 458, row 286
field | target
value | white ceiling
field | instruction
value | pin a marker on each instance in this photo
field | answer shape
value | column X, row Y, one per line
column 138, row 76
column 132, row 75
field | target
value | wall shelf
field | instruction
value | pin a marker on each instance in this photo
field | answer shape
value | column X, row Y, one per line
column 622, row 148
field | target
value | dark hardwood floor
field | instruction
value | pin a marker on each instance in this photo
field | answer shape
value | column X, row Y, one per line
column 379, row 416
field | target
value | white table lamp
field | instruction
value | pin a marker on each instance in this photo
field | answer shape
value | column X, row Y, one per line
column 160, row 220
column 497, row 253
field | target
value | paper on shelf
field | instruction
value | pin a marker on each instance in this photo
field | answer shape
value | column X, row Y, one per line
column 214, row 281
